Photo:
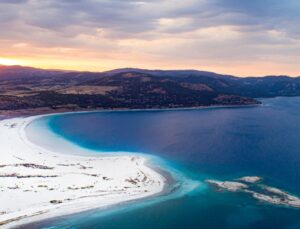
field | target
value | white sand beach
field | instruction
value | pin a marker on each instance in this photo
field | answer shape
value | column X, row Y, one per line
column 37, row 184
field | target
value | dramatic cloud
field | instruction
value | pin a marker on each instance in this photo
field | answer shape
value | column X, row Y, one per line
column 232, row 36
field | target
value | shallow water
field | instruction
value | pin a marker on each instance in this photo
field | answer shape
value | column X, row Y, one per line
column 219, row 143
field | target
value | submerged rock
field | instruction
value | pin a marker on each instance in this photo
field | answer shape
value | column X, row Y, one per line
column 228, row 185
column 250, row 179
column 260, row 192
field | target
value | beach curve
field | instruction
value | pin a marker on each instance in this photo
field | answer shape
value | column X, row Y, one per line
column 38, row 184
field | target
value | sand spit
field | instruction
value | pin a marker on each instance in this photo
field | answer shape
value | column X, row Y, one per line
column 36, row 184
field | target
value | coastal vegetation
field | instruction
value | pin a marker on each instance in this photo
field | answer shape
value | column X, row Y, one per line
column 24, row 88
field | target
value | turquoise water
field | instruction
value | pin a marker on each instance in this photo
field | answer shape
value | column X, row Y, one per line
column 222, row 143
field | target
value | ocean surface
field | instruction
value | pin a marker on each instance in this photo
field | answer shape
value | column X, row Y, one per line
column 198, row 144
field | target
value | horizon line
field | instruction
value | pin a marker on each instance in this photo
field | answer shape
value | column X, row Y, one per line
column 148, row 69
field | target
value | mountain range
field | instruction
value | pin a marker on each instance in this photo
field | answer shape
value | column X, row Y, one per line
column 24, row 88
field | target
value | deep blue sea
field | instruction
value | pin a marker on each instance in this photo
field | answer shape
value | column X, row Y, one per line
column 214, row 143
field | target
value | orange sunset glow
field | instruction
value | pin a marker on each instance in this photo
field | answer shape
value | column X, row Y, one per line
column 101, row 35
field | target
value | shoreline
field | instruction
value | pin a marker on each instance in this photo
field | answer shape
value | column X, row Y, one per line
column 35, row 160
column 47, row 111
column 167, row 191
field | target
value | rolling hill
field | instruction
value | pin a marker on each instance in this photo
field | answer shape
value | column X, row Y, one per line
column 24, row 88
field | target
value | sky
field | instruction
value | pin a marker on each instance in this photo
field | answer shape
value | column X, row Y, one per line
column 239, row 37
